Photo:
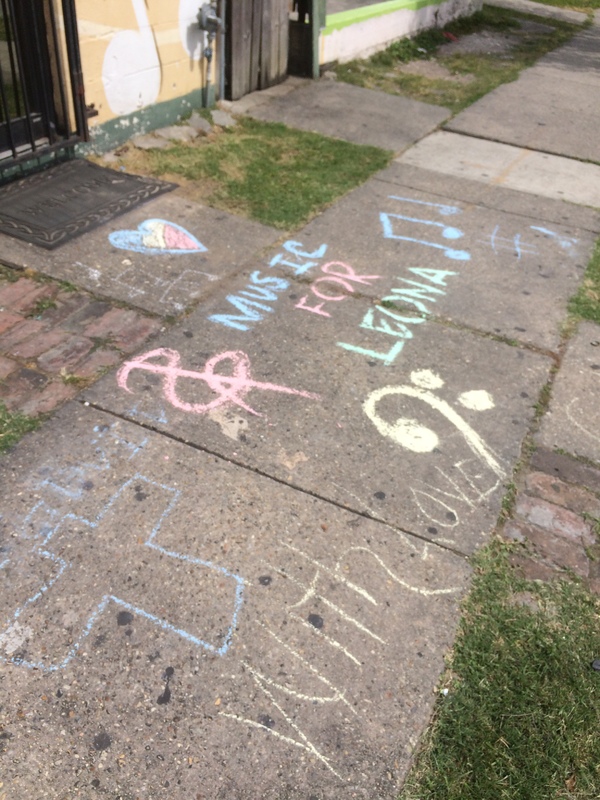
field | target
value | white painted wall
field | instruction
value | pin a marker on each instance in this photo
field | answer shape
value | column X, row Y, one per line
column 366, row 37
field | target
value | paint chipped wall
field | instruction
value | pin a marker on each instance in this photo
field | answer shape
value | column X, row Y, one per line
column 143, row 63
column 137, row 53
column 363, row 31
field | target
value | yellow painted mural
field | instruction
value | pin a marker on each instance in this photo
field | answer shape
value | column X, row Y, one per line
column 136, row 53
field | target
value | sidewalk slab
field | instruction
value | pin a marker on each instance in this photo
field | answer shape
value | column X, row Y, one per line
column 573, row 420
column 502, row 273
column 408, row 421
column 162, row 257
column 504, row 165
column 541, row 10
column 490, row 193
column 172, row 621
column 263, row 96
column 330, row 108
column 551, row 107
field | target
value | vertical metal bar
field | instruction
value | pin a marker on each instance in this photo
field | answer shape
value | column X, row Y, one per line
column 8, row 25
column 18, row 92
column 56, row 53
column 75, row 70
column 22, row 78
column 315, row 21
column 4, row 99
column 43, row 87
column 223, row 15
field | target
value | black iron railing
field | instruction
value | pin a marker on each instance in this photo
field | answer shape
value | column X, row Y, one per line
column 42, row 107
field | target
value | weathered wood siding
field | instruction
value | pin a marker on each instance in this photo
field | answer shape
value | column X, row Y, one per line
column 257, row 44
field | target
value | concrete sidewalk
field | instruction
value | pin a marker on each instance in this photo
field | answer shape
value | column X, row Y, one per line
column 232, row 567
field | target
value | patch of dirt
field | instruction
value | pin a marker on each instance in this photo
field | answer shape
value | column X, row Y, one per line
column 482, row 43
column 200, row 191
column 434, row 70
column 536, row 28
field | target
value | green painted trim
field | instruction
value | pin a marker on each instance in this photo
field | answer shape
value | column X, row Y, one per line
column 343, row 19
column 113, row 133
column 317, row 8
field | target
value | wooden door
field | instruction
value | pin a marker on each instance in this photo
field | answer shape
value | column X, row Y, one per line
column 256, row 44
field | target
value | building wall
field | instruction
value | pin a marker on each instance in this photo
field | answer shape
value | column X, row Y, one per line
column 142, row 63
column 360, row 32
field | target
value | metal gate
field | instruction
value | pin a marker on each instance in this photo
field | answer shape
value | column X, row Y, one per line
column 42, row 106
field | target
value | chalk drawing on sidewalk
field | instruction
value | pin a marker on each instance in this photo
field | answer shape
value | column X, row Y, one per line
column 74, row 480
column 366, row 553
column 252, row 302
column 230, row 389
column 505, row 243
column 412, row 435
column 159, row 417
column 250, row 305
column 566, row 243
column 387, row 319
column 64, row 533
column 516, row 244
column 338, row 274
column 443, row 208
column 465, row 486
column 187, row 285
column 303, row 259
column 270, row 687
column 341, row 639
column 157, row 237
column 175, row 292
column 397, row 226
column 469, row 481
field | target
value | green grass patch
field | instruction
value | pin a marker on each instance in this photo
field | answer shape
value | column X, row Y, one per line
column 521, row 719
column 42, row 305
column 266, row 171
column 8, row 274
column 578, row 5
column 14, row 425
column 468, row 76
column 586, row 303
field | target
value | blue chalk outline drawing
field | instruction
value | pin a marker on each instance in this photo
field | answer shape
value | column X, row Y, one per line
column 566, row 242
column 133, row 240
column 504, row 243
column 63, row 565
column 444, row 209
column 161, row 418
column 448, row 232
column 71, row 474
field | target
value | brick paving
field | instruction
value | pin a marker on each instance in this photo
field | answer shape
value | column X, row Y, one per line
column 555, row 518
column 54, row 341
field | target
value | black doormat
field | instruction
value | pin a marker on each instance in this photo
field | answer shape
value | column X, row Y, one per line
column 54, row 206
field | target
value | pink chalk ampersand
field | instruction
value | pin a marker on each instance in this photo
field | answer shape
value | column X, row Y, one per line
column 230, row 389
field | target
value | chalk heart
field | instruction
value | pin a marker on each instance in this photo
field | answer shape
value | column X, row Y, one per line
column 157, row 237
